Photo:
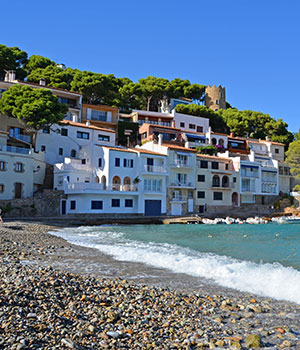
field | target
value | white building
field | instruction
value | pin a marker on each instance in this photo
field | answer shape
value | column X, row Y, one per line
column 113, row 180
column 21, row 169
column 68, row 138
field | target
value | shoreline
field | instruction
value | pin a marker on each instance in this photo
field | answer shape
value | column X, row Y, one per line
column 28, row 248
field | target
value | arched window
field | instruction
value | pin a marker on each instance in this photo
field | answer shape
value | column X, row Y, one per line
column 214, row 141
column 225, row 181
column 73, row 153
column 103, row 182
column 216, row 181
column 116, row 183
column 221, row 142
column 235, row 199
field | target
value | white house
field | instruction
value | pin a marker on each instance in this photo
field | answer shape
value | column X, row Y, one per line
column 67, row 138
column 113, row 180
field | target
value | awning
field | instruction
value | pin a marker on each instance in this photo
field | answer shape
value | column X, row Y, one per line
column 235, row 141
column 183, row 153
column 249, row 166
column 269, row 171
column 196, row 136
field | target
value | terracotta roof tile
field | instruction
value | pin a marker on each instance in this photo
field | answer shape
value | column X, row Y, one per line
column 82, row 125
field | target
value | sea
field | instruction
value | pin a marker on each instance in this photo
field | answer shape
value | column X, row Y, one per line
column 261, row 259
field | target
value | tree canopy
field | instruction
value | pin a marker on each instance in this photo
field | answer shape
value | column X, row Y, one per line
column 293, row 158
column 12, row 58
column 35, row 108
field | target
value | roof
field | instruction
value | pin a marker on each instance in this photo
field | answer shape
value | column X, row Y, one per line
column 146, row 151
column 162, row 127
column 82, row 125
column 43, row 87
column 220, row 133
column 154, row 114
column 213, row 157
column 115, row 148
column 193, row 132
column 111, row 108
column 180, row 148
column 273, row 143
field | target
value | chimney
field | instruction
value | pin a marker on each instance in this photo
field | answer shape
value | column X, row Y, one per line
column 160, row 139
column 74, row 118
column 42, row 82
column 268, row 138
column 10, row 76
column 231, row 134
column 88, row 123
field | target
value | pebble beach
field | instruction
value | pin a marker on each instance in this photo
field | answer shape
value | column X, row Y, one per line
column 54, row 295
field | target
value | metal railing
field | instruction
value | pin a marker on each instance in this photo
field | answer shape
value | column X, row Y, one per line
column 155, row 169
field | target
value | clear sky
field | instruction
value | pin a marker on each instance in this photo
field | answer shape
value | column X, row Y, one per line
column 252, row 47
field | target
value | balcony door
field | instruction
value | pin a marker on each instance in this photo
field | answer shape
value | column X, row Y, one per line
column 18, row 189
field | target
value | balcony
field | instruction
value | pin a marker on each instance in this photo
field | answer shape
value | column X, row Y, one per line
column 249, row 174
column 180, row 164
column 155, row 169
column 179, row 198
column 93, row 187
column 14, row 149
column 222, row 187
column 21, row 137
column 182, row 184
column 248, row 189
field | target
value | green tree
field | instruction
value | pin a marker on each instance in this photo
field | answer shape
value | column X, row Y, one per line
column 293, row 158
column 12, row 58
column 37, row 61
column 54, row 76
column 153, row 90
column 215, row 120
column 178, row 86
column 34, row 108
column 195, row 92
column 96, row 88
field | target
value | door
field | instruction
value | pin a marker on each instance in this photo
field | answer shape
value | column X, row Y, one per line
column 176, row 209
column 150, row 163
column 63, row 207
column 18, row 190
column 152, row 207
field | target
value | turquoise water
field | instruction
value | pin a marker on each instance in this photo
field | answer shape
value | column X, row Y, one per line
column 263, row 259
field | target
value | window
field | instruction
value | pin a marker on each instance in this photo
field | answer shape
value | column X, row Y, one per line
column 46, row 131
column 192, row 126
column 83, row 135
column 234, row 179
column 98, row 115
column 181, row 178
column 204, row 164
column 83, row 161
column 182, row 125
column 218, row 196
column 201, row 178
column 128, row 203
column 152, row 185
column 199, row 128
column 100, row 162
column 214, row 165
column 277, row 150
column 64, row 132
column 201, row 209
column 128, row 163
column 60, row 151
column 73, row 153
column 201, row 194
column 103, row 137
column 1, row 188
column 72, row 205
column 43, row 148
column 2, row 166
column 87, row 180
column 226, row 166
column 117, row 162
column 115, row 203
column 19, row 167
column 96, row 205
column 217, row 102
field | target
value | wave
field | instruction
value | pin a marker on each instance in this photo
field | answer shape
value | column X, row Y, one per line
column 265, row 279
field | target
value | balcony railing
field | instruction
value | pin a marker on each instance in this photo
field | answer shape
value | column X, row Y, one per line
column 222, row 186
column 21, row 137
column 92, row 186
column 14, row 149
column 178, row 198
column 248, row 189
column 180, row 163
column 155, row 169
column 183, row 184
column 249, row 174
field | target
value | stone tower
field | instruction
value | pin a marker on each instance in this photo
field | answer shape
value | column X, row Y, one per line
column 215, row 97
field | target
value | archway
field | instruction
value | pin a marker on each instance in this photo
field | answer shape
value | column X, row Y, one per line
column 97, row 180
column 214, row 141
column 127, row 183
column 116, row 185
column 225, row 181
column 216, row 181
column 103, row 182
column 235, row 199
column 221, row 142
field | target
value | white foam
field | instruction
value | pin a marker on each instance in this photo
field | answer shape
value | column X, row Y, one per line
column 271, row 280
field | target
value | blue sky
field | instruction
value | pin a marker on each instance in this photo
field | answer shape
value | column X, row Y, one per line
column 249, row 46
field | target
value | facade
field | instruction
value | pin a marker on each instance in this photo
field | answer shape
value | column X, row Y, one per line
column 67, row 138
column 217, row 184
column 150, row 132
column 190, row 123
column 101, row 116
column 22, row 170
column 113, row 180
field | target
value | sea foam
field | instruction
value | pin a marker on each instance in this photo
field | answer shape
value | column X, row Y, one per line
column 270, row 280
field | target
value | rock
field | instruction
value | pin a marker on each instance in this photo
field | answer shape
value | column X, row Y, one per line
column 68, row 343
column 253, row 341
column 113, row 334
